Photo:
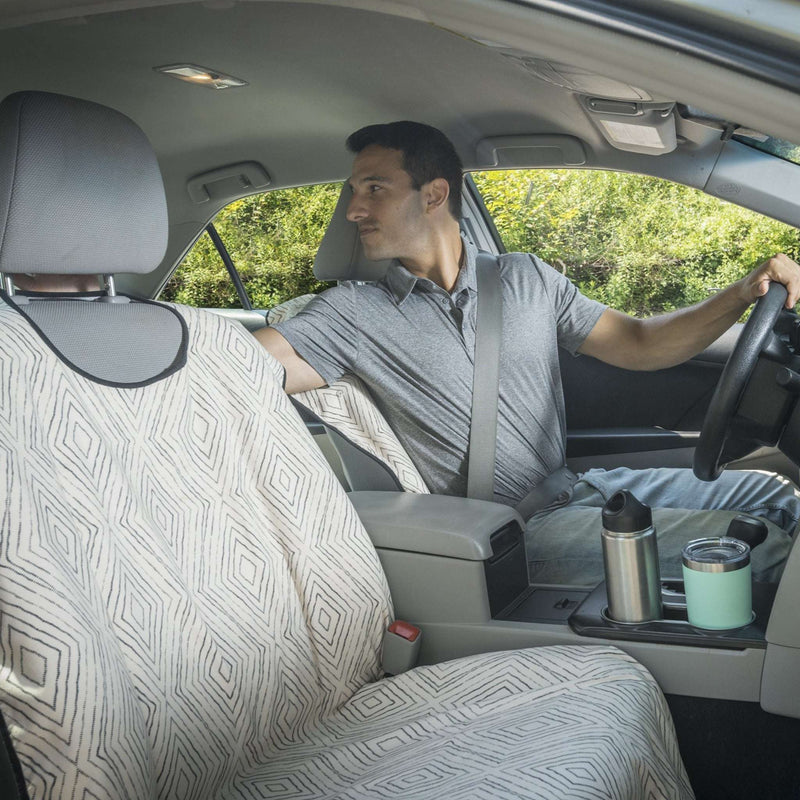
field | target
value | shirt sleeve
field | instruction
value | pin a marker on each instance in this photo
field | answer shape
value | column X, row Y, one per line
column 575, row 314
column 325, row 332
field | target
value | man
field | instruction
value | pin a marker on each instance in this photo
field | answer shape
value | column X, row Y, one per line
column 411, row 338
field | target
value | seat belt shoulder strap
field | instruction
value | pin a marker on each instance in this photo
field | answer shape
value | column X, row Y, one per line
column 485, row 380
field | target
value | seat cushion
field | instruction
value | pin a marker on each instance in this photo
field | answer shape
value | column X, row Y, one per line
column 191, row 608
column 549, row 723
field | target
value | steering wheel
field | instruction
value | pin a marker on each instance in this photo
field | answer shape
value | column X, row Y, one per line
column 717, row 424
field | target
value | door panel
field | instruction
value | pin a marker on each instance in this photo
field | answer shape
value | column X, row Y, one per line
column 618, row 417
column 598, row 395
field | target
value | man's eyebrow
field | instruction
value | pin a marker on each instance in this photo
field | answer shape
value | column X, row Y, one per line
column 370, row 179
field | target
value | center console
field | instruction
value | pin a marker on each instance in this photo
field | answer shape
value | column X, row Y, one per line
column 457, row 568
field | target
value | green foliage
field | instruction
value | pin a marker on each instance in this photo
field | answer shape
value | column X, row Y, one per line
column 639, row 244
column 272, row 239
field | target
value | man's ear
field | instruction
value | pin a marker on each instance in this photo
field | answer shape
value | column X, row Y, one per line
column 436, row 194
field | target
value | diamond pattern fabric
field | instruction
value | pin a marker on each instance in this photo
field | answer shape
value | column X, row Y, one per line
column 184, row 588
column 190, row 608
column 551, row 723
column 348, row 407
column 288, row 308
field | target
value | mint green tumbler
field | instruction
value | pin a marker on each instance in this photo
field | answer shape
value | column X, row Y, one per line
column 717, row 581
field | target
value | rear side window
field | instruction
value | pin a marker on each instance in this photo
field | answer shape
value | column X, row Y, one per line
column 271, row 239
column 642, row 245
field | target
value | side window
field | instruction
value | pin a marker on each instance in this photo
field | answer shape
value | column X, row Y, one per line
column 642, row 245
column 270, row 239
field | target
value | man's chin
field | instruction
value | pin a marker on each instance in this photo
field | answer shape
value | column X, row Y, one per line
column 372, row 253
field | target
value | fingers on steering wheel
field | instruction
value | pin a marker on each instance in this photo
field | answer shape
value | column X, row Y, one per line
column 787, row 271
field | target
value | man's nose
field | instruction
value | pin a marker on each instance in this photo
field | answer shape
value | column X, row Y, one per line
column 355, row 209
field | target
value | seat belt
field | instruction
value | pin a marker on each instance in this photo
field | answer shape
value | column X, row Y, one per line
column 556, row 488
column 485, row 379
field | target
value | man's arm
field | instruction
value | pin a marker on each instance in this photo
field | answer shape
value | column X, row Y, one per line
column 300, row 375
column 670, row 339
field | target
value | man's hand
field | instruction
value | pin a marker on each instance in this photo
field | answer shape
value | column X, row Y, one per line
column 779, row 268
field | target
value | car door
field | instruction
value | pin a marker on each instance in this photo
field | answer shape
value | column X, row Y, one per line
column 617, row 417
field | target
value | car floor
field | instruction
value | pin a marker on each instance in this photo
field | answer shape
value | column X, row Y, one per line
column 735, row 750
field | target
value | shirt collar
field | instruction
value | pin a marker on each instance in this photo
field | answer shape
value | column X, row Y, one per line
column 400, row 282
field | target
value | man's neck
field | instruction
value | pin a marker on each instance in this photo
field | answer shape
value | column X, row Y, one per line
column 441, row 260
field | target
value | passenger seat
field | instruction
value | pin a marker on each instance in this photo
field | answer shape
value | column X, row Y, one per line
column 189, row 605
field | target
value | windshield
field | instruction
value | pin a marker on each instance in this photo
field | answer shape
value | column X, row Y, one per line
column 768, row 144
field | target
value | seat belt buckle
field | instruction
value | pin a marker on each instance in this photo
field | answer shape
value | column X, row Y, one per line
column 401, row 643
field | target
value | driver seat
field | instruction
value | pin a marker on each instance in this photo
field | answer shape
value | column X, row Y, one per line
column 189, row 605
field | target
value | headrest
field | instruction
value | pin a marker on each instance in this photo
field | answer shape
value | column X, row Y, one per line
column 80, row 189
column 340, row 256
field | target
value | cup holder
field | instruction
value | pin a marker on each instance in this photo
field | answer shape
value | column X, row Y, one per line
column 591, row 619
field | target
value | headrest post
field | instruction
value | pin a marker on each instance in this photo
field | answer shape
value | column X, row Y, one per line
column 11, row 290
column 111, row 295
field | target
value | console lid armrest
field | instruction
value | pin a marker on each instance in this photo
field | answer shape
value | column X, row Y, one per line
column 441, row 525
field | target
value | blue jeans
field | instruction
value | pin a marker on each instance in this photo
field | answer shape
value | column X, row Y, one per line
column 563, row 541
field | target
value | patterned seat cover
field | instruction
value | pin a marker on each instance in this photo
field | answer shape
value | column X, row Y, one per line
column 190, row 608
column 347, row 407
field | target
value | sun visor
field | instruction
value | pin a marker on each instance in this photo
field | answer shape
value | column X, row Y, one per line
column 647, row 128
column 529, row 151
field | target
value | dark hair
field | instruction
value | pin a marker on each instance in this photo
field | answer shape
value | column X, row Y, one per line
column 427, row 154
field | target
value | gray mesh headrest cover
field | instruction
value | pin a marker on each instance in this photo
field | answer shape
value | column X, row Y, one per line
column 340, row 256
column 80, row 189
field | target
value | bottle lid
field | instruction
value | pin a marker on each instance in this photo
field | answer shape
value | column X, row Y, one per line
column 716, row 554
column 623, row 513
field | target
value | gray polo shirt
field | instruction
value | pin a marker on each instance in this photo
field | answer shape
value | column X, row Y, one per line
column 413, row 343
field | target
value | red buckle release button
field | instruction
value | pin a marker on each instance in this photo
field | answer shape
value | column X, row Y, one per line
column 405, row 629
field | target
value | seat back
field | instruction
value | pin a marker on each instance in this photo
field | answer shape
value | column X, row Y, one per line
column 184, row 589
column 347, row 408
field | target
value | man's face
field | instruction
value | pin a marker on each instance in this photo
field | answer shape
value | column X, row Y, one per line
column 388, row 210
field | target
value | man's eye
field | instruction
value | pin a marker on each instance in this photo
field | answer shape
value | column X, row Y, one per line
column 374, row 188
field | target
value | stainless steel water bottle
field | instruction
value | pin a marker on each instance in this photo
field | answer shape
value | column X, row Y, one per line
column 630, row 557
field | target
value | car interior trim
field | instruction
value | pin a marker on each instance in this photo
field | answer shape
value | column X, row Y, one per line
column 361, row 468
column 12, row 781
column 779, row 67
column 229, row 265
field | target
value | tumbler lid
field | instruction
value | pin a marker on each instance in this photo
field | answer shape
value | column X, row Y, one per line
column 623, row 513
column 716, row 554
